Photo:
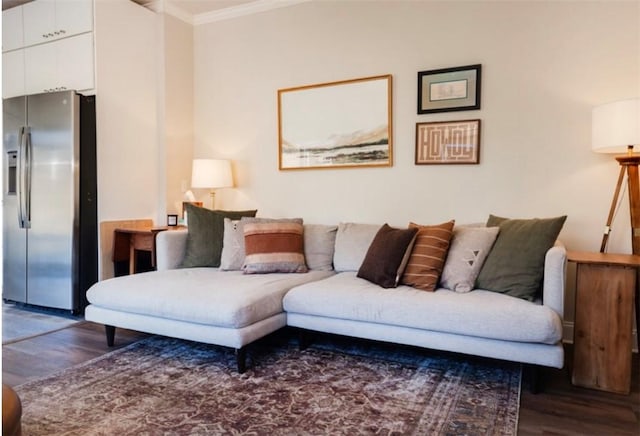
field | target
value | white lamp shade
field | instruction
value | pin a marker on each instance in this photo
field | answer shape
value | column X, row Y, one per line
column 615, row 126
column 211, row 173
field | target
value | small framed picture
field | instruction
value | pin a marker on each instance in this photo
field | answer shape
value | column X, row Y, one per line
column 172, row 220
column 448, row 142
column 449, row 89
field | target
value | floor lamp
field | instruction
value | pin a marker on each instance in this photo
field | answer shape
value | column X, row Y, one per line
column 211, row 174
column 616, row 129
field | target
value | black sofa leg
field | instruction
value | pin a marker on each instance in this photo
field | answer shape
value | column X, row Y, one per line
column 536, row 379
column 241, row 359
column 304, row 339
column 111, row 334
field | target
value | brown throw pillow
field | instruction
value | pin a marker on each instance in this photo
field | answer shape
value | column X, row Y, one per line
column 383, row 263
column 272, row 247
column 428, row 256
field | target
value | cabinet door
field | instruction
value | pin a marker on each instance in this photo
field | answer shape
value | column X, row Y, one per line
column 41, row 72
column 75, row 62
column 39, row 21
column 13, row 73
column 73, row 17
column 12, row 37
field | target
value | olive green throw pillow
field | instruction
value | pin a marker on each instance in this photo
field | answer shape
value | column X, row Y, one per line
column 205, row 234
column 515, row 264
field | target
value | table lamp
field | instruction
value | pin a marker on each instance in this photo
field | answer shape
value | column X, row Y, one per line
column 211, row 174
column 615, row 128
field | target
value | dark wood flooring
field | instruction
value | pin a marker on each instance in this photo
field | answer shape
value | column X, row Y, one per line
column 561, row 409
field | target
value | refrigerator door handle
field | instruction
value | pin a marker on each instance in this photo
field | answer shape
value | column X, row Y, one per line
column 20, row 188
column 28, row 166
column 25, row 160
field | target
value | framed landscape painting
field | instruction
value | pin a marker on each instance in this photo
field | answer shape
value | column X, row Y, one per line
column 344, row 124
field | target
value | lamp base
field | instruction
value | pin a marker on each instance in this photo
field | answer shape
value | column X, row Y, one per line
column 629, row 166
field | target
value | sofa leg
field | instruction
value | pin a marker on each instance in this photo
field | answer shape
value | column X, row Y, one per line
column 304, row 339
column 111, row 334
column 241, row 359
column 536, row 380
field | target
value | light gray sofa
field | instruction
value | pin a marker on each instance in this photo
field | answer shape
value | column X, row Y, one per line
column 232, row 309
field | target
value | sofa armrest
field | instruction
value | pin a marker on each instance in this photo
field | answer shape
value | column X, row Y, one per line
column 170, row 248
column 555, row 270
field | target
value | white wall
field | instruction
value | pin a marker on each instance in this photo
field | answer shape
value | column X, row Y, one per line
column 545, row 65
column 178, row 108
column 126, row 105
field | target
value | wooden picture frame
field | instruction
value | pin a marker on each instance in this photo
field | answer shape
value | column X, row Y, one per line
column 345, row 124
column 449, row 89
column 448, row 142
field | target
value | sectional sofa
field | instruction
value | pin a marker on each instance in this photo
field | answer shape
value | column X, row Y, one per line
column 231, row 306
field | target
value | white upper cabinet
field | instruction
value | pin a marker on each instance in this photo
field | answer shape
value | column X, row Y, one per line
column 74, row 16
column 12, row 73
column 48, row 20
column 61, row 65
column 12, row 37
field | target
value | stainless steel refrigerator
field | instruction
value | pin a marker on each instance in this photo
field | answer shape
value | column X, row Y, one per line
column 49, row 206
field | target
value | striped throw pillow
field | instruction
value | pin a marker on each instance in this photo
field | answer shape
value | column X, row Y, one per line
column 274, row 247
column 428, row 255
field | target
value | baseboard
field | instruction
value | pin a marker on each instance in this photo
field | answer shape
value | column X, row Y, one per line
column 567, row 336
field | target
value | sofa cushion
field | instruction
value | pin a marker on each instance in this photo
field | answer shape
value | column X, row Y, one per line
column 272, row 247
column 205, row 235
column 352, row 242
column 207, row 296
column 387, row 256
column 479, row 313
column 428, row 255
column 469, row 248
column 319, row 245
column 515, row 264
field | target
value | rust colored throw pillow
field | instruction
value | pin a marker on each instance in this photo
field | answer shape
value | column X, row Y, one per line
column 428, row 255
column 274, row 247
column 385, row 258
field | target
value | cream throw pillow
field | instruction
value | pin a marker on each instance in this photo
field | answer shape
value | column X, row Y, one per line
column 467, row 253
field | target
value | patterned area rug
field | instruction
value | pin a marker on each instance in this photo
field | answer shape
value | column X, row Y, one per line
column 167, row 386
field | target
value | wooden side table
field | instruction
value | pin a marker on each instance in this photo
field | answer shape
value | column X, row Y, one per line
column 605, row 291
column 127, row 241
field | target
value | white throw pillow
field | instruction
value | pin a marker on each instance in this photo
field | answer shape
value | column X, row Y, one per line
column 232, row 256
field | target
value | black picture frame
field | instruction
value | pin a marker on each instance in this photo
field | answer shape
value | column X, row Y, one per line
column 449, row 89
column 172, row 220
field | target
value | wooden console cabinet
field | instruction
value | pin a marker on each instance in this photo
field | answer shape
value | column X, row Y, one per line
column 605, row 291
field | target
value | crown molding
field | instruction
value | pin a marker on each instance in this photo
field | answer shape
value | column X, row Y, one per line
column 171, row 8
column 242, row 10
